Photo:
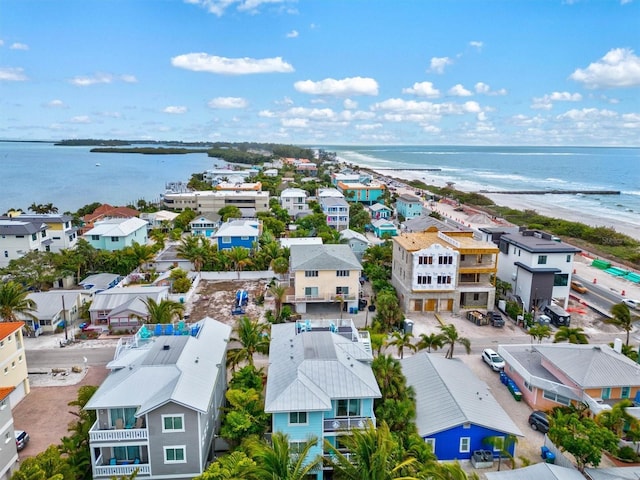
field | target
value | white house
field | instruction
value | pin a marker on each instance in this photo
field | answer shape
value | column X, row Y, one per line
column 18, row 237
column 61, row 231
column 294, row 201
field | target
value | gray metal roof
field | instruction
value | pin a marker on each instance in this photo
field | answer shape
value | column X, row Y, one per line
column 185, row 373
column 539, row 471
column 49, row 304
column 353, row 235
column 100, row 281
column 45, row 217
column 333, row 202
column 613, row 473
column 421, row 223
column 17, row 227
column 309, row 369
column 449, row 394
column 323, row 257
column 379, row 206
column 592, row 366
column 408, row 198
column 109, row 299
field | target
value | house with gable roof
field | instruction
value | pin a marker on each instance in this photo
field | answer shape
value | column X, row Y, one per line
column 53, row 309
column 561, row 374
column 320, row 382
column 18, row 237
column 123, row 307
column 158, row 411
column 357, row 241
column 324, row 274
column 409, row 206
column 13, row 360
column 117, row 233
column 238, row 233
column 379, row 210
column 455, row 411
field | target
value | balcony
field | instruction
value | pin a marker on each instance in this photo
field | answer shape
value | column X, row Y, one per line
column 117, row 434
column 345, row 423
column 100, row 469
column 320, row 298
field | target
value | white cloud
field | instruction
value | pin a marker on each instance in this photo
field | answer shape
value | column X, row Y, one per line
column 476, row 44
column 333, row 87
column 484, row 89
column 482, row 117
column 438, row 64
column 55, row 104
column 431, row 129
column 128, row 78
column 587, row 114
column 266, row 114
column 228, row 102
column 202, row 62
column 459, row 91
column 19, row 46
column 12, row 74
column 218, row 7
column 368, row 126
column 93, row 80
column 471, row 107
column 175, row 109
column 295, row 122
column 350, row 104
column 311, row 113
column 293, row 34
column 1, row 43
column 620, row 67
column 423, row 89
column 546, row 102
column 81, row 119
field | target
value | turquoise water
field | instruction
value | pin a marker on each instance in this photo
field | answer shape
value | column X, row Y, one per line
column 69, row 178
column 521, row 168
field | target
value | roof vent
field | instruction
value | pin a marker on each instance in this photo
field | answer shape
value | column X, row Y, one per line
column 166, row 347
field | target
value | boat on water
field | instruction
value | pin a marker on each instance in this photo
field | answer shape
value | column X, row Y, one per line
column 97, row 164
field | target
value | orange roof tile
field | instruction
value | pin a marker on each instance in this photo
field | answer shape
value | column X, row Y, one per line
column 5, row 391
column 7, row 328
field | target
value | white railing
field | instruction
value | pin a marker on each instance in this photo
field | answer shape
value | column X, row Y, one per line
column 320, row 298
column 345, row 423
column 115, row 435
column 119, row 471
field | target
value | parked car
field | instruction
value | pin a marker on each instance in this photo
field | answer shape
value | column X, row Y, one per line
column 539, row 420
column 633, row 304
column 578, row 287
column 491, row 358
column 22, row 438
column 496, row 319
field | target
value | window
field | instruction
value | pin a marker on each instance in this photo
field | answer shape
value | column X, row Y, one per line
column 425, row 260
column 6, row 370
column 34, row 237
column 431, row 442
column 297, row 418
column 244, row 238
column 173, row 423
column 126, row 454
column 95, row 237
column 348, row 408
column 499, row 444
column 445, row 260
column 569, row 258
column 606, row 393
column 310, row 273
column 625, row 392
column 424, row 279
column 226, row 239
column 175, row 454
column 6, row 254
column 556, row 398
column 465, row 444
column 342, row 290
column 561, row 280
column 13, row 364
column 296, row 448
column 542, row 259
column 342, row 273
column 311, row 291
column 115, row 239
column 126, row 415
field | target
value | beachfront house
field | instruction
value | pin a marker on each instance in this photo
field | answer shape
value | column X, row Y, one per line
column 238, row 233
column 18, row 237
column 538, row 266
column 367, row 193
column 324, row 274
column 123, row 308
column 117, row 233
column 562, row 374
column 13, row 361
column 320, row 382
column 158, row 411
column 455, row 410
column 409, row 206
column 438, row 271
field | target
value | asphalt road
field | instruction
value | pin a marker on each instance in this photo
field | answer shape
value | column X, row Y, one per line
column 69, row 357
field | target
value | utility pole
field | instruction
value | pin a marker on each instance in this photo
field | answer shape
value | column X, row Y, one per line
column 64, row 319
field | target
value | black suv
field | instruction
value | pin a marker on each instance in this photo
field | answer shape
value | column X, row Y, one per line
column 539, row 420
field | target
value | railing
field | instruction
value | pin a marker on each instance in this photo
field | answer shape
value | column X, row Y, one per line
column 119, row 471
column 98, row 435
column 320, row 298
column 345, row 423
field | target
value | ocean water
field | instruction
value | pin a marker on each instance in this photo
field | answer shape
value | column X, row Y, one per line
column 69, row 178
column 520, row 168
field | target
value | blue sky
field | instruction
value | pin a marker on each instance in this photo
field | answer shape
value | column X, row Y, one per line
column 316, row 72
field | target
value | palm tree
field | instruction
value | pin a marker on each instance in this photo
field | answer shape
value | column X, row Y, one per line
column 429, row 341
column 539, row 332
column 239, row 257
column 159, row 236
column 13, row 300
column 622, row 318
column 279, row 293
column 401, row 340
column 141, row 253
column 374, row 455
column 195, row 249
column 391, row 380
column 235, row 466
column 571, row 335
column 253, row 337
column 617, row 419
column 503, row 445
column 278, row 460
column 163, row 312
column 450, row 337
column 280, row 265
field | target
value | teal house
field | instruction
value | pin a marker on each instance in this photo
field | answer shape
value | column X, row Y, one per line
column 409, row 206
column 117, row 233
column 384, row 227
column 320, row 382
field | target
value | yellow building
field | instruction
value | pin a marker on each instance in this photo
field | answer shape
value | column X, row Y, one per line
column 13, row 361
column 437, row 271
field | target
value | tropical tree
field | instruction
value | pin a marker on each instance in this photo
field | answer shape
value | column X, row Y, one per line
column 253, row 336
column 142, row 254
column 165, row 311
column 388, row 373
column 618, row 419
column 622, row 318
column 234, row 466
column 374, row 454
column 159, row 236
column 244, row 415
column 278, row 292
column 240, row 258
column 229, row 212
column 47, row 465
column 389, row 313
column 278, row 460
column 401, row 340
column 13, row 300
column 539, row 332
column 280, row 265
column 430, row 341
column 571, row 335
column 450, row 337
column 196, row 249
column 504, row 445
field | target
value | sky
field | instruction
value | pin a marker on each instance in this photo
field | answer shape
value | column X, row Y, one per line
column 323, row 72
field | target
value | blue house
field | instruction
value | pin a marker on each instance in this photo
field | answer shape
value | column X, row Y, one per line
column 409, row 206
column 455, row 410
column 117, row 233
column 238, row 233
column 320, row 381
column 382, row 227
column 378, row 210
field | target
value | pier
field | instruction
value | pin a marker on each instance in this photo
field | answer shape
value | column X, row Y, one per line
column 554, row 192
column 410, row 169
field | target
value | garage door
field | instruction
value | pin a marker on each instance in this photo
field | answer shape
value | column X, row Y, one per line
column 17, row 395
